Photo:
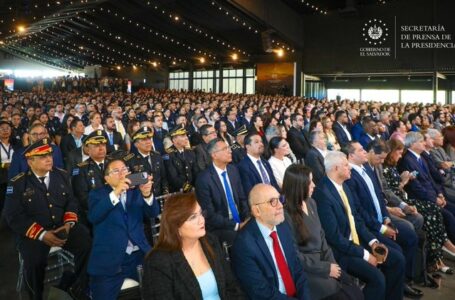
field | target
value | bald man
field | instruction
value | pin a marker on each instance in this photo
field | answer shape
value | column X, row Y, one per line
column 266, row 241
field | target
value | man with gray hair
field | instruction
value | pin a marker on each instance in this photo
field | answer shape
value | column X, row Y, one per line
column 315, row 156
column 423, row 187
column 355, row 248
column 220, row 193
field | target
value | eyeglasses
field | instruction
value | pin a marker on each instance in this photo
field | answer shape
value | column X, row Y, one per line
column 195, row 217
column 37, row 134
column 273, row 201
column 119, row 171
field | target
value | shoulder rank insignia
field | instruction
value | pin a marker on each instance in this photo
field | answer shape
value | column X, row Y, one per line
column 17, row 176
column 128, row 157
column 166, row 157
column 9, row 190
column 170, row 150
column 82, row 164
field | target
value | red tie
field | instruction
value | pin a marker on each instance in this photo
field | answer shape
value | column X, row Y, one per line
column 283, row 266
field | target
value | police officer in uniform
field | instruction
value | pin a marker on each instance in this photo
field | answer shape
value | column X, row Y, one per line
column 180, row 162
column 42, row 212
column 147, row 160
column 238, row 148
column 89, row 174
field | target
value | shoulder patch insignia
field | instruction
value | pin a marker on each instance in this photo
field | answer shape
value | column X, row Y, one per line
column 128, row 157
column 82, row 164
column 17, row 176
column 166, row 157
column 170, row 150
column 75, row 172
column 9, row 190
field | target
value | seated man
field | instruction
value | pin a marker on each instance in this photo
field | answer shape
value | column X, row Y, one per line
column 423, row 187
column 42, row 212
column 264, row 256
column 315, row 156
column 116, row 212
column 371, row 206
column 349, row 238
column 253, row 168
column 220, row 193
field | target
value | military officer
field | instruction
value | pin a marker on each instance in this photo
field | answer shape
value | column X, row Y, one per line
column 238, row 148
column 147, row 160
column 180, row 162
column 89, row 174
column 41, row 210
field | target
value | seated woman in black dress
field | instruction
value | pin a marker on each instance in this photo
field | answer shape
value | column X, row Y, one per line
column 187, row 263
column 325, row 278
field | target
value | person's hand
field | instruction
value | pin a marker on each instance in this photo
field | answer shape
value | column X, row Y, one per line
column 410, row 210
column 146, row 188
column 51, row 240
column 374, row 246
column 123, row 186
column 243, row 223
column 390, row 233
column 372, row 260
column 405, row 177
column 446, row 164
column 396, row 211
column 335, row 271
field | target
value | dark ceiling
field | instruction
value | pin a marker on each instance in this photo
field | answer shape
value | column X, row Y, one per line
column 74, row 34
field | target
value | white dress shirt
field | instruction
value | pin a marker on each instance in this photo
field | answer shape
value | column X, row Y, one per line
column 279, row 167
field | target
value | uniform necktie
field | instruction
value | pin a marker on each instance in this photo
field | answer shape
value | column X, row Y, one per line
column 43, row 182
column 101, row 165
column 355, row 237
column 265, row 178
column 230, row 199
column 283, row 267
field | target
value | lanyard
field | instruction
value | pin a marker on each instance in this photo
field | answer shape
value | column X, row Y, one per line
column 8, row 152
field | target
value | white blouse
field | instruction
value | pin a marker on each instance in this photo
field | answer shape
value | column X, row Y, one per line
column 279, row 167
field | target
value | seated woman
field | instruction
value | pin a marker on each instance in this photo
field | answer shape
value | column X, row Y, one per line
column 331, row 139
column 187, row 263
column 279, row 148
column 433, row 220
column 325, row 278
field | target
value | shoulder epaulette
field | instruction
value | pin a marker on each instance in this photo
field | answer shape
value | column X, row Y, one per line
column 128, row 157
column 17, row 176
column 156, row 152
column 170, row 150
column 82, row 164
column 235, row 146
column 63, row 170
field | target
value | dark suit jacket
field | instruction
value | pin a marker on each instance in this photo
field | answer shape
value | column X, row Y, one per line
column 364, row 140
column 203, row 159
column 111, row 230
column 117, row 140
column 230, row 128
column 73, row 158
column 364, row 199
column 67, row 144
column 342, row 137
column 298, row 142
column 433, row 169
column 315, row 161
column 335, row 221
column 253, row 264
column 167, row 275
column 423, row 186
column 250, row 176
column 357, row 131
column 212, row 198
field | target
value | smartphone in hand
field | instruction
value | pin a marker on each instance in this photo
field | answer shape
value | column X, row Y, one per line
column 137, row 178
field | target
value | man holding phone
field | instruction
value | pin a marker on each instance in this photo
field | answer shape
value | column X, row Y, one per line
column 41, row 210
column 116, row 212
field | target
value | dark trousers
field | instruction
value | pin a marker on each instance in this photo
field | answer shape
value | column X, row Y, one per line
column 448, row 213
column 35, row 254
column 108, row 287
column 384, row 282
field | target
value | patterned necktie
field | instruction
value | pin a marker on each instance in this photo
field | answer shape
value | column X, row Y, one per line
column 283, row 267
column 347, row 207
column 230, row 198
column 265, row 178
